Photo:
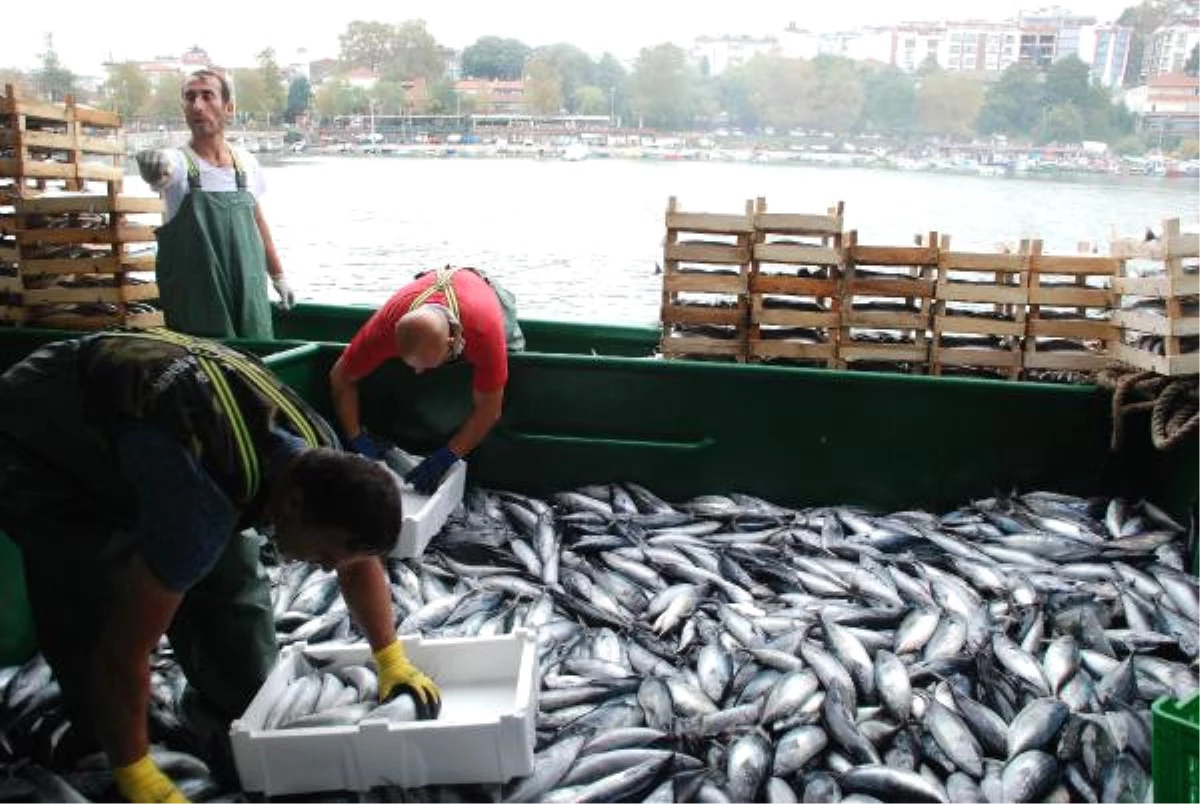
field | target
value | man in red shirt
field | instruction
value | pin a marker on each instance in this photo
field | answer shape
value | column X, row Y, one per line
column 438, row 317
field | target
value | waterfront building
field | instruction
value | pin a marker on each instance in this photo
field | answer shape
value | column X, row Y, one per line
column 1168, row 48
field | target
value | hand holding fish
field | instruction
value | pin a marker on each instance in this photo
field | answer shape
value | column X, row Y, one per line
column 144, row 781
column 397, row 674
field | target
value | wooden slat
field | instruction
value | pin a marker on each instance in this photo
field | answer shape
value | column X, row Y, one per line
column 900, row 286
column 898, row 352
column 1072, row 296
column 61, row 295
column 67, row 320
column 793, row 285
column 97, row 118
column 981, row 292
column 62, row 237
column 1154, row 324
column 1160, row 287
column 976, row 356
column 700, row 282
column 1097, row 266
column 972, row 261
column 107, row 264
column 681, row 346
column 893, row 255
column 708, row 253
column 93, row 202
column 1081, row 329
column 1175, row 366
column 796, row 318
column 37, row 109
column 798, row 224
column 16, row 314
column 696, row 314
column 1067, row 360
column 883, row 319
column 776, row 348
column 969, row 325
column 68, row 142
column 710, row 223
column 794, row 254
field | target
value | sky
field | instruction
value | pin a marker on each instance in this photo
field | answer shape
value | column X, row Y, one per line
column 233, row 32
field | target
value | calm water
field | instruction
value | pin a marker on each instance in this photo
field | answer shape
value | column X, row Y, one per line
column 579, row 240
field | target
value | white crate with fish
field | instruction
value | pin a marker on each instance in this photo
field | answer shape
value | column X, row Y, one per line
column 979, row 307
column 483, row 734
column 887, row 305
column 424, row 515
column 1158, row 312
column 1069, row 325
column 705, row 307
column 795, row 286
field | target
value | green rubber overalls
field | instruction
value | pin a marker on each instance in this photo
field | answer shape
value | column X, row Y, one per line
column 212, row 265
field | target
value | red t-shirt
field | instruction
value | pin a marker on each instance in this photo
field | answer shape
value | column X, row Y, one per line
column 484, row 343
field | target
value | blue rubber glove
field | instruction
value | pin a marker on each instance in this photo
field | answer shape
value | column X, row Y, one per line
column 426, row 476
column 367, row 446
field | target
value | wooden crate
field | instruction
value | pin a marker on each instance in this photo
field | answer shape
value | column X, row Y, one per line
column 887, row 304
column 1156, row 313
column 795, row 286
column 706, row 266
column 979, row 308
column 1068, row 326
column 59, row 142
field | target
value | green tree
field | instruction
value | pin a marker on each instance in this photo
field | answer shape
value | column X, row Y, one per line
column 1144, row 19
column 735, row 92
column 543, row 87
column 889, row 101
column 495, row 57
column 443, row 97
column 389, row 97
column 54, row 82
column 572, row 67
column 1192, row 67
column 126, row 90
column 250, row 98
column 1062, row 123
column 366, row 44
column 298, row 99
column 1068, row 81
column 780, row 92
column 164, row 106
column 610, row 76
column 1013, row 105
column 414, row 53
column 274, row 100
column 948, row 103
column 591, row 100
column 837, row 99
column 664, row 88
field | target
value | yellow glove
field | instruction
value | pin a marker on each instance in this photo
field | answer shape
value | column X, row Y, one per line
column 143, row 781
column 397, row 674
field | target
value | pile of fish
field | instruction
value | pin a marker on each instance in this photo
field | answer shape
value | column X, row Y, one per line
column 341, row 696
column 730, row 649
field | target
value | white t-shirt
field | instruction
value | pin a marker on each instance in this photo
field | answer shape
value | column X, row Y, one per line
column 212, row 179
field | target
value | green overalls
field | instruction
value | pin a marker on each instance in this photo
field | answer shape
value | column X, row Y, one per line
column 63, row 501
column 514, row 338
column 212, row 265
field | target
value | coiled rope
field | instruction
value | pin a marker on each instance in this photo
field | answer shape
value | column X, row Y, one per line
column 1173, row 402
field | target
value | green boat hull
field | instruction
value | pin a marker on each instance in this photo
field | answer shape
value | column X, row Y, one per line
column 589, row 404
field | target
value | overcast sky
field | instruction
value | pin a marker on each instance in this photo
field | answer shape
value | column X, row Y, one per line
column 233, row 32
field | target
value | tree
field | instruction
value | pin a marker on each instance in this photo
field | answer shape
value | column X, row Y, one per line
column 127, row 90
column 735, row 93
column 366, row 44
column 273, row 100
column 495, row 57
column 948, row 103
column 889, row 101
column 1068, row 81
column 664, row 87
column 1013, row 104
column 1061, row 123
column 414, row 53
column 780, row 92
column 165, row 104
column 389, row 97
column 53, row 81
column 250, row 100
column 543, row 87
column 591, row 100
column 837, row 99
column 572, row 67
column 610, row 76
column 1192, row 67
column 1144, row 19
column 298, row 99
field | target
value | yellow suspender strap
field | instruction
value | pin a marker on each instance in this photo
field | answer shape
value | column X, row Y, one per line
column 441, row 283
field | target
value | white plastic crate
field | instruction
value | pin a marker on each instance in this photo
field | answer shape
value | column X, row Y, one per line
column 424, row 516
column 484, row 734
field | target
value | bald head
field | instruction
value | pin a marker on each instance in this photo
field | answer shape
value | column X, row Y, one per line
column 423, row 338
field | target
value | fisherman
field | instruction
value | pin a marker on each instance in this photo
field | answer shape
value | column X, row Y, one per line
column 440, row 316
column 132, row 465
column 214, row 248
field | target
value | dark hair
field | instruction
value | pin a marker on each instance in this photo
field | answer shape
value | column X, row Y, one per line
column 347, row 491
column 226, row 96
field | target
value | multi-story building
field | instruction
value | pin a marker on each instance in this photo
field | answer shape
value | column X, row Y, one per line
column 1168, row 48
column 722, row 52
column 493, row 95
column 1105, row 48
column 914, row 43
column 1050, row 35
column 1168, row 104
column 979, row 47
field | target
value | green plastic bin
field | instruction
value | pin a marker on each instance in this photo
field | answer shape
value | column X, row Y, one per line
column 1176, row 741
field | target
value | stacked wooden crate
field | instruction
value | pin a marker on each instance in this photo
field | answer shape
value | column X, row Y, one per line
column 795, row 286
column 887, row 303
column 1068, row 327
column 979, row 312
column 706, row 268
column 71, row 237
column 1156, row 314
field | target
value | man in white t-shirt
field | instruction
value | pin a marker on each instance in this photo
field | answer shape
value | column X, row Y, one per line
column 215, row 250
